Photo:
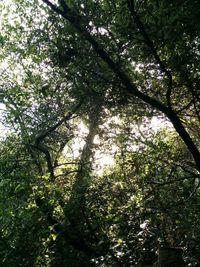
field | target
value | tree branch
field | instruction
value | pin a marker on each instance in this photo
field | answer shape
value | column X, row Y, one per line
column 129, row 85
column 48, row 159
column 43, row 135
column 150, row 44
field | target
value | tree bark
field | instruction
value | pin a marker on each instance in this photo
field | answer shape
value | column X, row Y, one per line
column 169, row 257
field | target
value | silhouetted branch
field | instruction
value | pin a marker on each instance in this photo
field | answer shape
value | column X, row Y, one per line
column 55, row 126
column 152, row 47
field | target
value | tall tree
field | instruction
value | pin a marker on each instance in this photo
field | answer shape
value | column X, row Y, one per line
column 77, row 20
column 112, row 66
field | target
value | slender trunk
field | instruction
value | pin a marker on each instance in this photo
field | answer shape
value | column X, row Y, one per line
column 168, row 257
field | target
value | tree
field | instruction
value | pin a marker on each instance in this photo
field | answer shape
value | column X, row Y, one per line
column 112, row 66
column 167, row 107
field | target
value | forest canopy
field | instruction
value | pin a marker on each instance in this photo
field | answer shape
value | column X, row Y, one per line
column 100, row 160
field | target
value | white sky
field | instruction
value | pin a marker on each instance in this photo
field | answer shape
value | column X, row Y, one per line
column 3, row 129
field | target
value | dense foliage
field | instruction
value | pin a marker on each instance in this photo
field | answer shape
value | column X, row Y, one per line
column 85, row 83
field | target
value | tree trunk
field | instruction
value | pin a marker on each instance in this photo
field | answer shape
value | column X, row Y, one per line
column 169, row 257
